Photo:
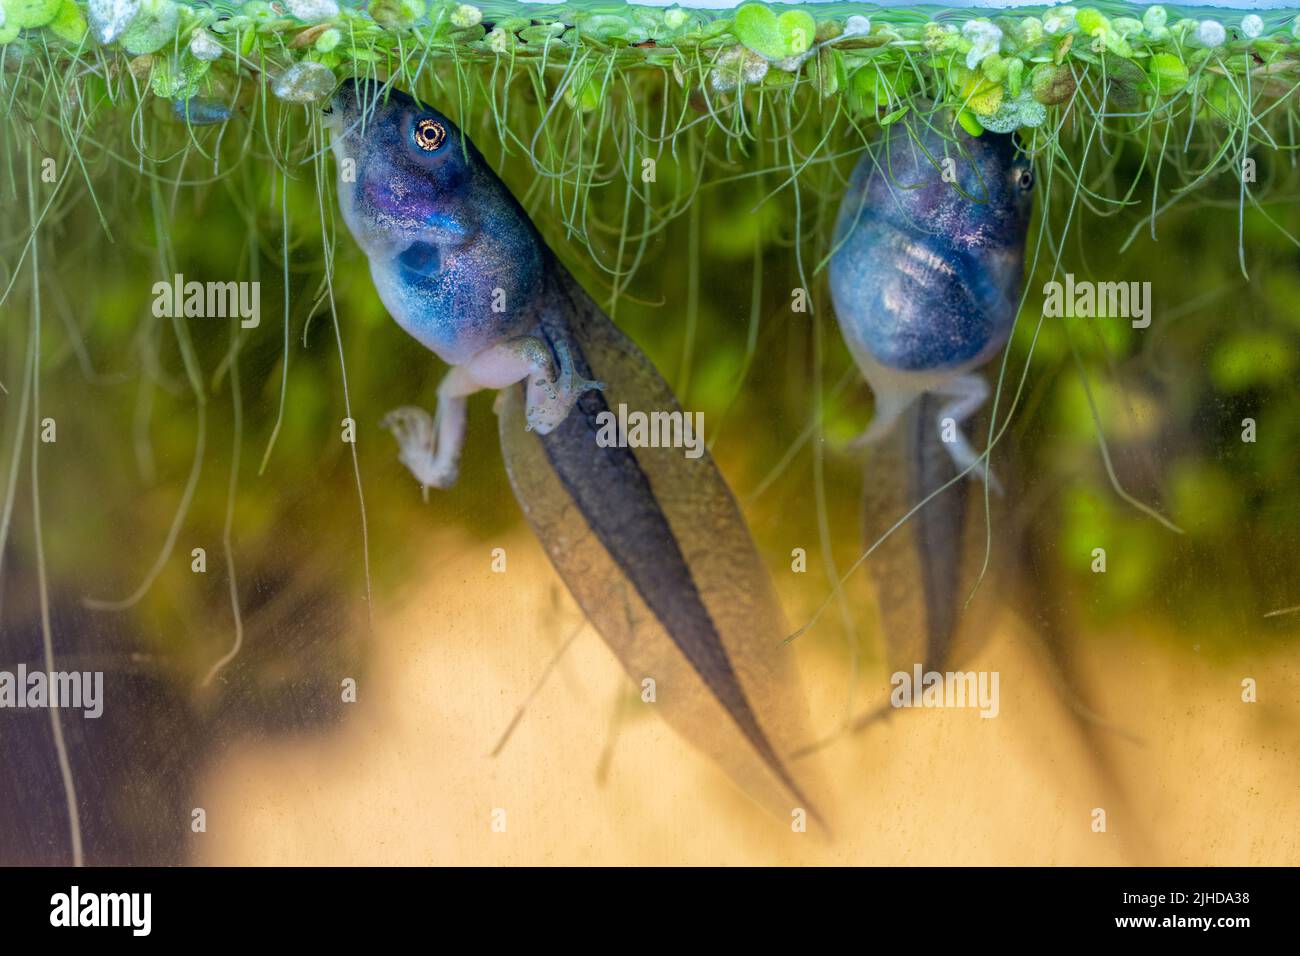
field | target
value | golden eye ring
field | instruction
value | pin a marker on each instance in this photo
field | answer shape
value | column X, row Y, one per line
column 430, row 134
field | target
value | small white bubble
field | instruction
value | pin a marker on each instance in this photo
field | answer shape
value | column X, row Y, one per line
column 985, row 38
column 1210, row 33
column 1059, row 20
column 1154, row 18
column 305, row 82
column 497, row 41
column 465, row 16
column 309, row 11
column 203, row 46
column 856, row 26
column 110, row 18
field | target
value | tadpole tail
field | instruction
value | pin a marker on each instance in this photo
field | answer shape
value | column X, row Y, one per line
column 919, row 570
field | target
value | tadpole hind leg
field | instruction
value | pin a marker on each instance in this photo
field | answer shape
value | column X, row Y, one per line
column 552, row 391
column 890, row 406
column 430, row 445
column 968, row 394
column 414, row 429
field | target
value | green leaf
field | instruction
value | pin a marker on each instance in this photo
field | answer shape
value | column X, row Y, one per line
column 1090, row 19
column 153, row 27
column 541, row 33
column 873, row 88
column 69, row 23
column 605, row 26
column 1051, row 85
column 1011, row 115
column 773, row 37
column 396, row 14
column 970, row 123
column 28, row 14
column 1168, row 74
column 583, row 94
column 1125, row 78
column 980, row 95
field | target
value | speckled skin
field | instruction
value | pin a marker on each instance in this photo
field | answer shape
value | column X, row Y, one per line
column 924, row 278
column 650, row 544
column 441, row 231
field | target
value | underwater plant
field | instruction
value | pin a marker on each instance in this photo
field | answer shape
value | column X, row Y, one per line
column 199, row 496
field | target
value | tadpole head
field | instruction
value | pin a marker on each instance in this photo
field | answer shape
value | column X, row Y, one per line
column 406, row 172
column 976, row 191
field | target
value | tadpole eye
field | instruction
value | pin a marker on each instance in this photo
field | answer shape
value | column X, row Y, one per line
column 429, row 134
column 1026, row 180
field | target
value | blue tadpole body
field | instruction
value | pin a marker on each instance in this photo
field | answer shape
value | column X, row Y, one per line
column 200, row 111
column 925, row 277
column 926, row 270
column 650, row 542
column 930, row 249
column 926, row 280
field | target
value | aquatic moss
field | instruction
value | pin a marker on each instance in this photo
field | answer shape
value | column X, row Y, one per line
column 958, row 59
column 559, row 80
column 549, row 66
column 179, row 110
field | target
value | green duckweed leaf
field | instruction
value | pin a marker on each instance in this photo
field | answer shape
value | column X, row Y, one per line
column 775, row 37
